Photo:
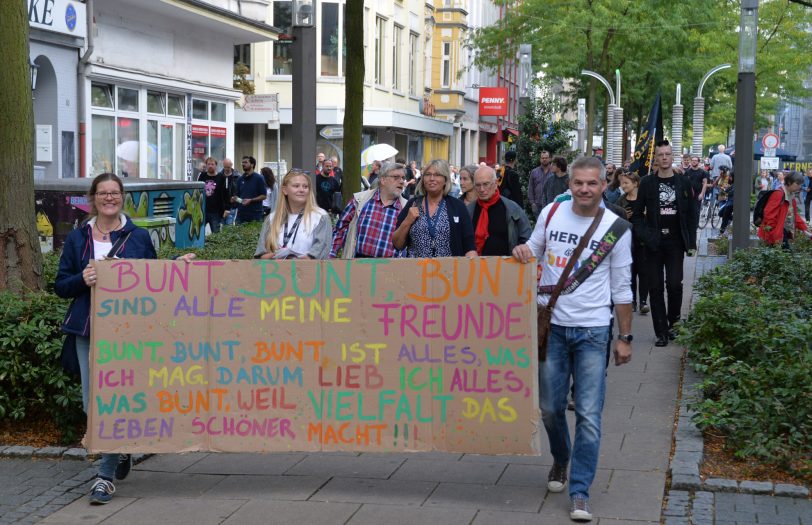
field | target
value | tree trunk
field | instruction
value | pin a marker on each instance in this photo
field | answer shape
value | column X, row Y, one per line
column 20, row 256
column 590, row 115
column 353, row 97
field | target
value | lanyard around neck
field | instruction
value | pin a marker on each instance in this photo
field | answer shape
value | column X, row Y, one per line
column 292, row 233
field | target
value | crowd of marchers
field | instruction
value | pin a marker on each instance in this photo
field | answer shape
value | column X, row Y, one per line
column 607, row 243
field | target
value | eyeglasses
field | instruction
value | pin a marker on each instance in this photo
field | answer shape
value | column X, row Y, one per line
column 430, row 174
column 298, row 170
column 115, row 195
column 397, row 177
column 483, row 185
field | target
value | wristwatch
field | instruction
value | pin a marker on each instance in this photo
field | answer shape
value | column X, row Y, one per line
column 626, row 338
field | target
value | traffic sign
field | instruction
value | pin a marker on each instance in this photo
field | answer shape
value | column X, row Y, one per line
column 332, row 132
column 769, row 163
column 769, row 152
column 770, row 141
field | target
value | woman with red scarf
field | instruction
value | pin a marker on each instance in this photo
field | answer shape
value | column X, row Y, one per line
column 499, row 223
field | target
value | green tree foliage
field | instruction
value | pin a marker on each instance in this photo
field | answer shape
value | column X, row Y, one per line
column 655, row 44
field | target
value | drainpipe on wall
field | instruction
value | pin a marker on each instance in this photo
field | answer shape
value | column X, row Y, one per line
column 81, row 79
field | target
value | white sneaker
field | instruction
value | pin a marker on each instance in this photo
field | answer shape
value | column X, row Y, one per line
column 579, row 510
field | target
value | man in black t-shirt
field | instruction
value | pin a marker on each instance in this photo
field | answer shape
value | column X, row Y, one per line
column 700, row 180
column 327, row 184
column 217, row 196
column 664, row 214
column 499, row 223
column 509, row 184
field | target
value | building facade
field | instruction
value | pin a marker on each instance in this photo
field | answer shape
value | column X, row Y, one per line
column 146, row 92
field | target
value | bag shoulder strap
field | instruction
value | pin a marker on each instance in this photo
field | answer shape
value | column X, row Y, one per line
column 556, row 204
column 117, row 247
column 576, row 254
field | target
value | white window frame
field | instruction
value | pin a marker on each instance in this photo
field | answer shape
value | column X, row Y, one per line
column 414, row 53
column 397, row 60
column 379, row 77
column 445, row 68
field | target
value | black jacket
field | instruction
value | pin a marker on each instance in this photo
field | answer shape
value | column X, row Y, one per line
column 646, row 211
column 511, row 186
column 462, row 230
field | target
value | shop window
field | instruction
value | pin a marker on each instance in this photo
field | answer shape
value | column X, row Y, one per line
column 281, row 48
column 177, row 105
column 329, row 39
column 200, row 109
column 101, row 96
column 127, row 99
column 218, row 111
column 103, row 140
column 156, row 102
column 128, row 147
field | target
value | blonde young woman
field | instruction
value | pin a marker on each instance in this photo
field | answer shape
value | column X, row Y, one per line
column 297, row 228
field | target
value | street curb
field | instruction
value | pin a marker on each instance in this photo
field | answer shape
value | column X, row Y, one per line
column 71, row 454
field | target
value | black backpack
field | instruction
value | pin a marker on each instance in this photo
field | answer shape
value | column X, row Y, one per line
column 761, row 203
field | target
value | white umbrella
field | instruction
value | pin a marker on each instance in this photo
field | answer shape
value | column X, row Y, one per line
column 377, row 152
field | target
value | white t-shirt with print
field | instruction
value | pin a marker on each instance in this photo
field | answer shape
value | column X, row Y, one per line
column 588, row 305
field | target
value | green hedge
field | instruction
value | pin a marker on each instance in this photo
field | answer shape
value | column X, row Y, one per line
column 32, row 382
column 232, row 242
column 750, row 335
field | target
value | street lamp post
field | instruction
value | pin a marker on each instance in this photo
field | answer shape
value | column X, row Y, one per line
column 610, row 113
column 676, row 125
column 525, row 56
column 303, row 49
column 617, row 126
column 745, row 110
column 699, row 113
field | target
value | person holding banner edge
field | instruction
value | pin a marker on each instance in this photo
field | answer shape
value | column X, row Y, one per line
column 580, row 325
column 107, row 234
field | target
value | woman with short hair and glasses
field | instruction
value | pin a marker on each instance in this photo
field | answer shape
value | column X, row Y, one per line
column 298, row 227
column 433, row 224
column 108, row 233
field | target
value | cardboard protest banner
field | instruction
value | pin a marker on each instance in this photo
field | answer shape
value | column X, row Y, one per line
column 368, row 355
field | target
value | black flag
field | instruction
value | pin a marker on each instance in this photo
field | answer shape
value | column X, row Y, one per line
column 651, row 134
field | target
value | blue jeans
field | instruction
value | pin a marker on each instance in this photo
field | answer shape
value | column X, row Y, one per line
column 215, row 220
column 108, row 463
column 580, row 354
column 232, row 214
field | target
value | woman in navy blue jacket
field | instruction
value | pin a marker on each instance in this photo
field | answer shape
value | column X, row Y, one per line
column 107, row 233
column 434, row 224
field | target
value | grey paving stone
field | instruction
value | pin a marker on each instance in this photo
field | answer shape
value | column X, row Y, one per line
column 795, row 491
column 629, row 495
column 497, row 517
column 171, row 462
column 672, row 520
column 449, row 471
column 355, row 490
column 18, row 451
column 81, row 512
column 267, row 487
column 345, row 466
column 526, row 475
column 684, row 468
column 493, row 497
column 407, row 515
column 75, row 453
column 683, row 482
column 720, row 485
column 756, row 487
column 49, row 452
column 259, row 464
column 160, row 484
column 178, row 511
column 544, row 459
column 305, row 512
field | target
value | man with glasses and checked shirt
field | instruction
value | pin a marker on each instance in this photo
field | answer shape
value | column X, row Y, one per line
column 365, row 227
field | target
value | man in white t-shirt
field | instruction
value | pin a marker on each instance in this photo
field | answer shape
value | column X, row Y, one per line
column 580, row 327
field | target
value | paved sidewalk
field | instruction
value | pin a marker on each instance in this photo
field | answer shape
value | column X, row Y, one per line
column 203, row 488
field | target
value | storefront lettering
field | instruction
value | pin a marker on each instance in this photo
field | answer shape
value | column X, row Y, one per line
column 41, row 12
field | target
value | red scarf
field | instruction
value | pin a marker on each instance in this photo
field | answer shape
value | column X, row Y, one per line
column 481, row 233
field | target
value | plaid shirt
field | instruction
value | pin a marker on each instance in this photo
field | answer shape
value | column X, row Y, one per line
column 375, row 226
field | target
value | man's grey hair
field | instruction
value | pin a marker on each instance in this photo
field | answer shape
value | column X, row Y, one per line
column 588, row 163
column 390, row 167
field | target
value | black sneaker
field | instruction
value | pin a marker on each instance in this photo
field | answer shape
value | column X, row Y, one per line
column 102, row 492
column 662, row 340
column 557, row 478
column 125, row 463
column 579, row 510
column 644, row 308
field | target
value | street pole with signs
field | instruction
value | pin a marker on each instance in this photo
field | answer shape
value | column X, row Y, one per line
column 745, row 110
